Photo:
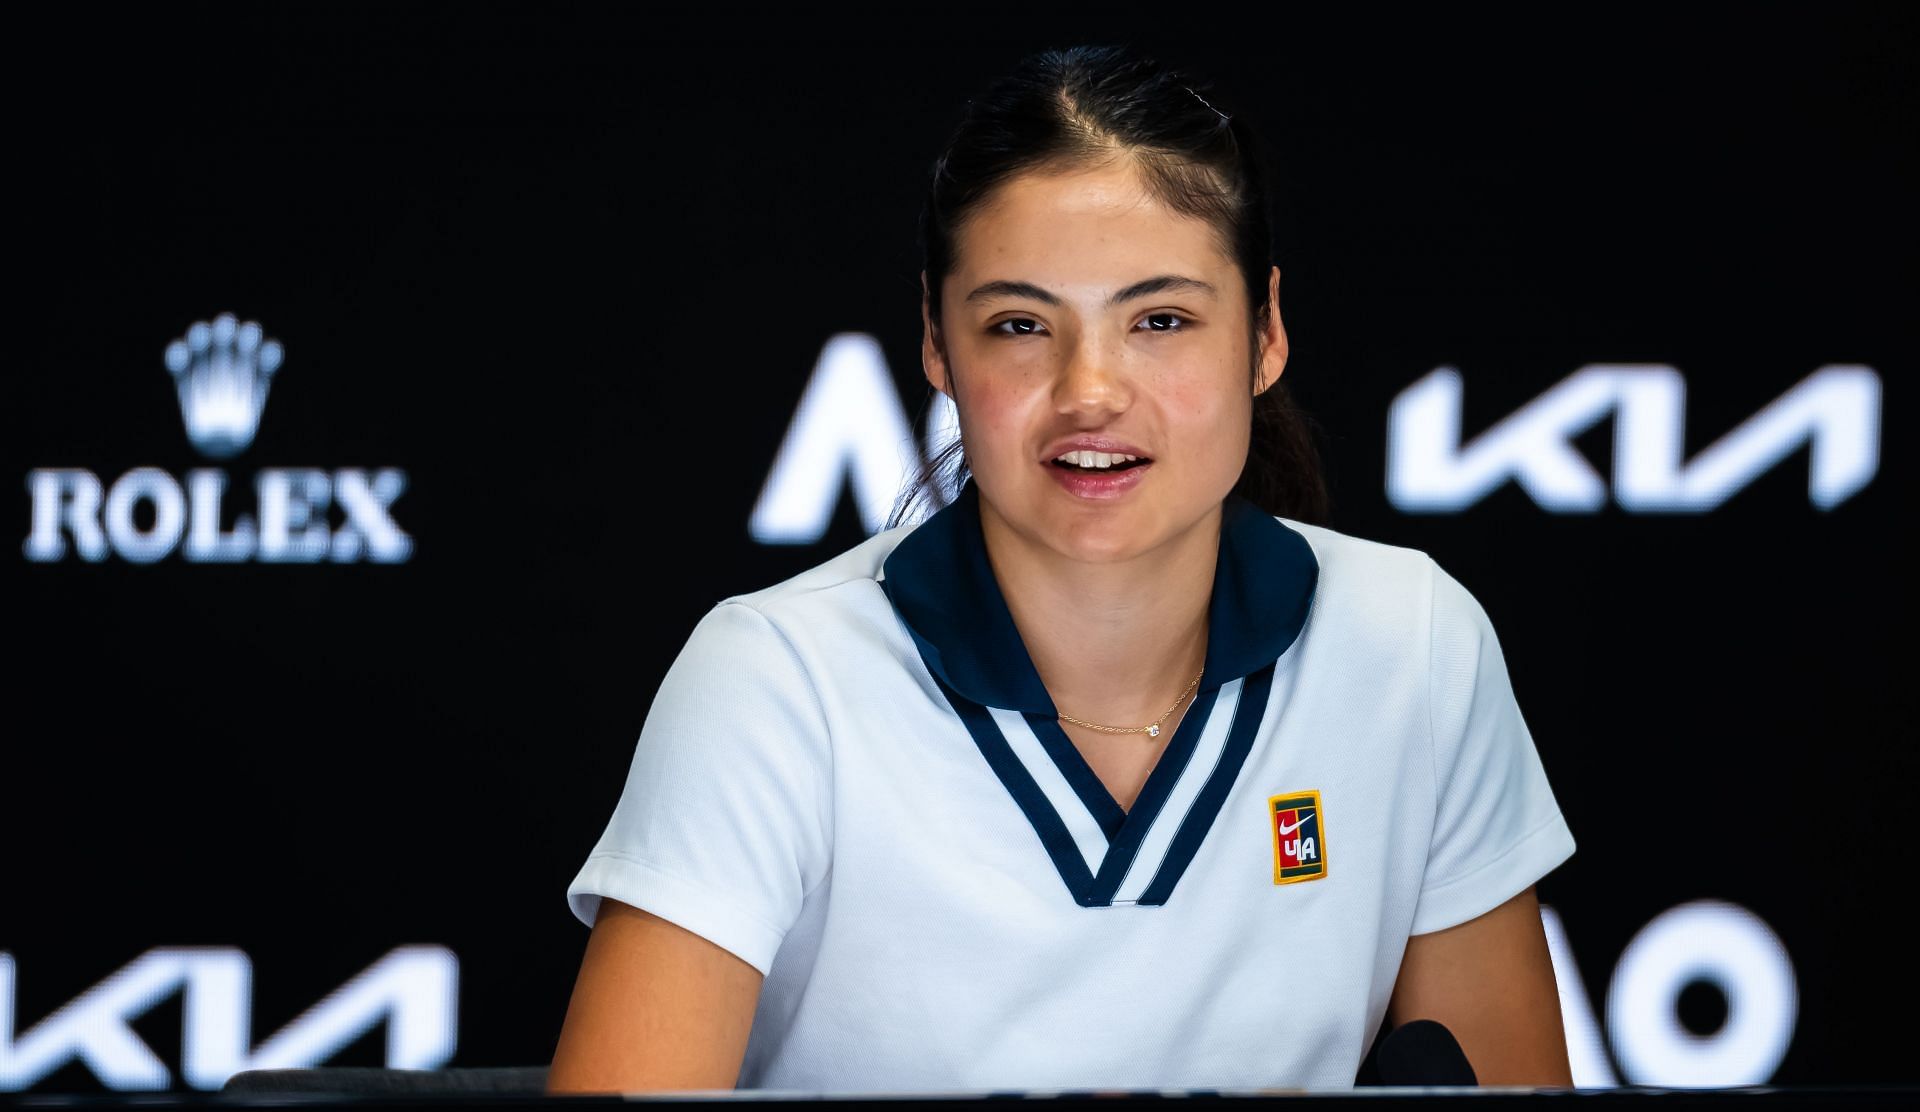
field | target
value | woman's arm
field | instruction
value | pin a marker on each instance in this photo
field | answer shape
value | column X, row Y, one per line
column 1490, row 982
column 655, row 1007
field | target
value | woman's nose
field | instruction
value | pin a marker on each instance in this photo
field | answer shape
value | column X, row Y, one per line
column 1092, row 379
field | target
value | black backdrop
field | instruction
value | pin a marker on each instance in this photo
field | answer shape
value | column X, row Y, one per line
column 570, row 272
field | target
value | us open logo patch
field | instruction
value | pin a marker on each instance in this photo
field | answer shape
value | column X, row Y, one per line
column 1299, row 837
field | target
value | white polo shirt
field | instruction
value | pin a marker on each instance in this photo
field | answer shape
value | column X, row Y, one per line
column 855, row 781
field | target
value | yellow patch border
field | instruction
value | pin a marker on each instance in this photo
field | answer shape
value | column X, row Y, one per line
column 1273, row 838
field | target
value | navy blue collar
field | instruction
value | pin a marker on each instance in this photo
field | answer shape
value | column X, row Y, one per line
column 940, row 582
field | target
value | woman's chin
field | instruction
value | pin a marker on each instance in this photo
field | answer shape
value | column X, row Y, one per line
column 1102, row 542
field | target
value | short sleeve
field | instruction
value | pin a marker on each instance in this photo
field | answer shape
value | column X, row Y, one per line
column 1497, row 828
column 724, row 824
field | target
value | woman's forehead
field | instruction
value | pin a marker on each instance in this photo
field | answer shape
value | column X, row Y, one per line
column 1090, row 229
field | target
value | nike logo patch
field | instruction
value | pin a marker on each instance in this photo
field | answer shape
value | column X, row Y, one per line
column 1298, row 854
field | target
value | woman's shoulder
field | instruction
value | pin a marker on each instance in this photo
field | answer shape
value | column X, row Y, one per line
column 777, row 641
column 842, row 587
column 1346, row 557
column 1395, row 590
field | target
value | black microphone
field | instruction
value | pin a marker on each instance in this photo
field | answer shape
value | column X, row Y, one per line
column 1423, row 1052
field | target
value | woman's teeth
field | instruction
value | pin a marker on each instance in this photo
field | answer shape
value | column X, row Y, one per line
column 1095, row 461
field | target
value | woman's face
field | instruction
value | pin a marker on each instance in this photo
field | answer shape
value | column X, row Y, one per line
column 1083, row 315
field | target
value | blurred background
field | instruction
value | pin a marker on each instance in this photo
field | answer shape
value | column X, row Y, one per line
column 334, row 621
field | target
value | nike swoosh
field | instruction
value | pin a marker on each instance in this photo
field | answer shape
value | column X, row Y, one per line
column 1285, row 829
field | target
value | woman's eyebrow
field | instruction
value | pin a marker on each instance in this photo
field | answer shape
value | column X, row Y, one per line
column 1158, row 284
column 1162, row 284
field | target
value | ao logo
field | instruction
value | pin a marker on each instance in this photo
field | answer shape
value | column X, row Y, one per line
column 222, row 371
column 850, row 429
column 849, row 426
column 413, row 989
column 1710, row 941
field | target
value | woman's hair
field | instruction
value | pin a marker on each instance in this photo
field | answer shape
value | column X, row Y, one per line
column 1091, row 105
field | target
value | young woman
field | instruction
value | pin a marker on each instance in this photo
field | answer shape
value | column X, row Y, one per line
column 1115, row 771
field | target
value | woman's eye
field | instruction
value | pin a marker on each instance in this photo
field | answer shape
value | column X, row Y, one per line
column 1026, row 326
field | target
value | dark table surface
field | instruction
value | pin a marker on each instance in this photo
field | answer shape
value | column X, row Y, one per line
column 1588, row 1100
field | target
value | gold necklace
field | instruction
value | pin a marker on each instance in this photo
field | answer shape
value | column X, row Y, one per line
column 1151, row 729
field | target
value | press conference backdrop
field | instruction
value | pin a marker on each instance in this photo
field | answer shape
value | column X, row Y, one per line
column 391, row 391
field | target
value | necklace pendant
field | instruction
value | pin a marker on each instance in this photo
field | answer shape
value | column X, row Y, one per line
column 1153, row 730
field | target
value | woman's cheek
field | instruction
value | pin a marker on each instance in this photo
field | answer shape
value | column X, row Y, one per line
column 999, row 398
column 1219, row 428
column 991, row 415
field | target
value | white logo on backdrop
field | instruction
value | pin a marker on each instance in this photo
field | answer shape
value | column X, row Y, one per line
column 1711, row 941
column 414, row 990
column 221, row 371
column 849, row 429
column 1836, row 410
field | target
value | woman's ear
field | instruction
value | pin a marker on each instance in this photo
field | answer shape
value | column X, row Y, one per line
column 1272, row 339
column 933, row 353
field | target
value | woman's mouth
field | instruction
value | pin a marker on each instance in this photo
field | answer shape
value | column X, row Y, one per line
column 1098, row 474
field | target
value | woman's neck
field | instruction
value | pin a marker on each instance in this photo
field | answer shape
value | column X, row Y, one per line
column 1114, row 643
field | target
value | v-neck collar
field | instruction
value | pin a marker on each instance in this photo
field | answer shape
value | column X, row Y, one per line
column 940, row 582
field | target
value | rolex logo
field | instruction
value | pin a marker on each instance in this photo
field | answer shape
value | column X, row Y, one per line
column 221, row 371
column 277, row 515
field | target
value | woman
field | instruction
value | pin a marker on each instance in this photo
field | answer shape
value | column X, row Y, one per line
column 1114, row 772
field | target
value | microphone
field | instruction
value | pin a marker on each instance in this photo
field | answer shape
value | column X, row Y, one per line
column 1423, row 1052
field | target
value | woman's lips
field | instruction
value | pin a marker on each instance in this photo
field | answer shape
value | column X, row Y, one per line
column 1098, row 484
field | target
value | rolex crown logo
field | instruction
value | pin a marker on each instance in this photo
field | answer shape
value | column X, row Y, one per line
column 221, row 371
